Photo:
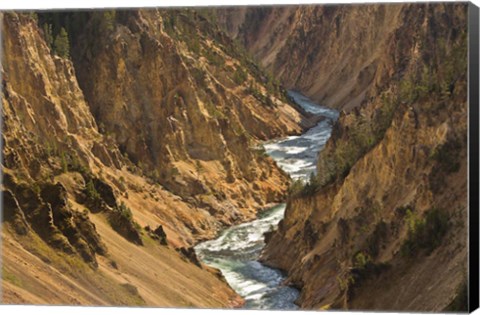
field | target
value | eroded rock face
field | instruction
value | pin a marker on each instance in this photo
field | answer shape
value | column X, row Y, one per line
column 139, row 128
column 46, row 211
column 13, row 214
column 338, row 55
column 162, row 107
column 394, row 168
column 177, row 112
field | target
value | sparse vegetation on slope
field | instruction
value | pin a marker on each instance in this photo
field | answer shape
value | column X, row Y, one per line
column 425, row 233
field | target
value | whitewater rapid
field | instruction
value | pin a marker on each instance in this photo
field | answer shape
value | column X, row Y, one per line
column 236, row 251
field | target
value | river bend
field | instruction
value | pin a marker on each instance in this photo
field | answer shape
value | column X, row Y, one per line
column 236, row 251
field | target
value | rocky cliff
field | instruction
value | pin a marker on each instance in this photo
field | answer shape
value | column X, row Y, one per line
column 384, row 224
column 128, row 137
column 335, row 54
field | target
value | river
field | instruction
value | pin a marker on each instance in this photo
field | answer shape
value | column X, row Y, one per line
column 236, row 251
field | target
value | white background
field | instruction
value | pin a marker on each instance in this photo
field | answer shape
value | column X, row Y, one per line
column 49, row 4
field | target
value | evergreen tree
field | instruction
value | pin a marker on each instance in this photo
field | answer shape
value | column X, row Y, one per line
column 47, row 30
column 109, row 20
column 62, row 46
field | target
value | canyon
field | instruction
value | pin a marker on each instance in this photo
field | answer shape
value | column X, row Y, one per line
column 383, row 226
column 146, row 137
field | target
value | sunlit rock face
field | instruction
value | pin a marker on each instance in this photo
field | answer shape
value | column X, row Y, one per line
column 151, row 123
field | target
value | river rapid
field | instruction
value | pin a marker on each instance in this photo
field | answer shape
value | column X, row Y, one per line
column 237, row 250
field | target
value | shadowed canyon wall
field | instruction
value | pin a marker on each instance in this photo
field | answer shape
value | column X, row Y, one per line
column 338, row 55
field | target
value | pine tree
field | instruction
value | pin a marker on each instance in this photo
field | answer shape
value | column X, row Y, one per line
column 47, row 30
column 62, row 46
column 64, row 163
column 109, row 20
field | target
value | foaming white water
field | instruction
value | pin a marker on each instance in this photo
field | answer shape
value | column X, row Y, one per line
column 236, row 251
column 308, row 105
column 297, row 155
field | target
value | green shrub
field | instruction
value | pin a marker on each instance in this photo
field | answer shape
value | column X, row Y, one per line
column 109, row 20
column 425, row 233
column 61, row 44
column 91, row 192
column 304, row 189
column 198, row 75
column 64, row 162
column 414, row 224
column 379, row 235
column 402, row 210
column 447, row 155
column 361, row 260
column 261, row 152
column 121, row 220
column 213, row 57
column 266, row 99
column 48, row 34
column 77, row 166
column 311, row 186
column 125, row 211
column 296, row 187
column 239, row 76
column 33, row 15
column 169, row 24
column 213, row 111
column 50, row 148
